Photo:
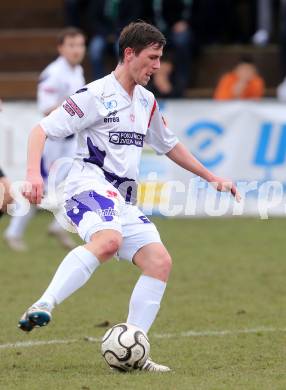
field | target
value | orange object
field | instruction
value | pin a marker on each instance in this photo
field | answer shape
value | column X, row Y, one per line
column 254, row 89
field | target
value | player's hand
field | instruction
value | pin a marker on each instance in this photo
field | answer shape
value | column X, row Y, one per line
column 223, row 185
column 33, row 188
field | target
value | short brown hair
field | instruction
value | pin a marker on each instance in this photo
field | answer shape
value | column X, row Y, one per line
column 69, row 32
column 139, row 35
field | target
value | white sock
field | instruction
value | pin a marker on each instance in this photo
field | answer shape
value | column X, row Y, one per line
column 18, row 224
column 145, row 302
column 73, row 273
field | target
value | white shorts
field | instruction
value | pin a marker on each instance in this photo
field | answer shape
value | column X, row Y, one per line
column 95, row 205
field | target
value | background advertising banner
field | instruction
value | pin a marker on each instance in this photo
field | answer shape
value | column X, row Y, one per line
column 243, row 141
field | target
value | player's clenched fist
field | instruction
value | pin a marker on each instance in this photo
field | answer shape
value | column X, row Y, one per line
column 33, row 189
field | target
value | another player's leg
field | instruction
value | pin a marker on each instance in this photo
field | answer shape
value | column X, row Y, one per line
column 14, row 233
column 73, row 273
column 56, row 230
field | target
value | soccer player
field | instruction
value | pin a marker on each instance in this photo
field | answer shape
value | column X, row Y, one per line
column 58, row 80
column 112, row 117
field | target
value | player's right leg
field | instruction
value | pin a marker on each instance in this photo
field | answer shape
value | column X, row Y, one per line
column 74, row 271
column 97, row 219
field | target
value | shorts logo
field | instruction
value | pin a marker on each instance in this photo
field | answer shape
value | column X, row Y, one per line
column 110, row 105
column 126, row 138
column 72, row 108
column 144, row 219
column 110, row 212
column 111, row 194
column 132, row 117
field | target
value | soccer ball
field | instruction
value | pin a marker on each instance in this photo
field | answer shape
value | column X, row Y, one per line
column 125, row 347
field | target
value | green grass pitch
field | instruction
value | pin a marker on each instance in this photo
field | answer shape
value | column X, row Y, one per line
column 227, row 289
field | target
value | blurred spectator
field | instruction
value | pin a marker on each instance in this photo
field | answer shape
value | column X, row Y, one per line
column 104, row 20
column 283, row 33
column 100, row 27
column 270, row 15
column 281, row 91
column 61, row 78
column 264, row 22
column 243, row 82
column 174, row 19
column 72, row 12
column 223, row 21
column 162, row 83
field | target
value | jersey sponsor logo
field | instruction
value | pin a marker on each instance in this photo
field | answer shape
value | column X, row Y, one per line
column 111, row 117
column 111, row 120
column 75, row 107
column 110, row 105
column 68, row 109
column 126, row 138
column 81, row 90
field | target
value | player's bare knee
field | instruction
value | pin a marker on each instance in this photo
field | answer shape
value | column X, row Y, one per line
column 104, row 245
column 109, row 248
column 164, row 265
column 159, row 267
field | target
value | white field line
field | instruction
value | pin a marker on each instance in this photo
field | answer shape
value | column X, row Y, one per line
column 189, row 333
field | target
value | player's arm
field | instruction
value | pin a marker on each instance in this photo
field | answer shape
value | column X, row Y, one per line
column 182, row 157
column 33, row 190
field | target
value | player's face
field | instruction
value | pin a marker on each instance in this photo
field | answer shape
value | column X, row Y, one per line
column 73, row 49
column 145, row 64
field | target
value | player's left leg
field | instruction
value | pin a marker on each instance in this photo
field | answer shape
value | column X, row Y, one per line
column 142, row 245
column 155, row 263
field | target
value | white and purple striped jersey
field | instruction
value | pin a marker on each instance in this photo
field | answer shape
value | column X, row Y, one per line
column 111, row 128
